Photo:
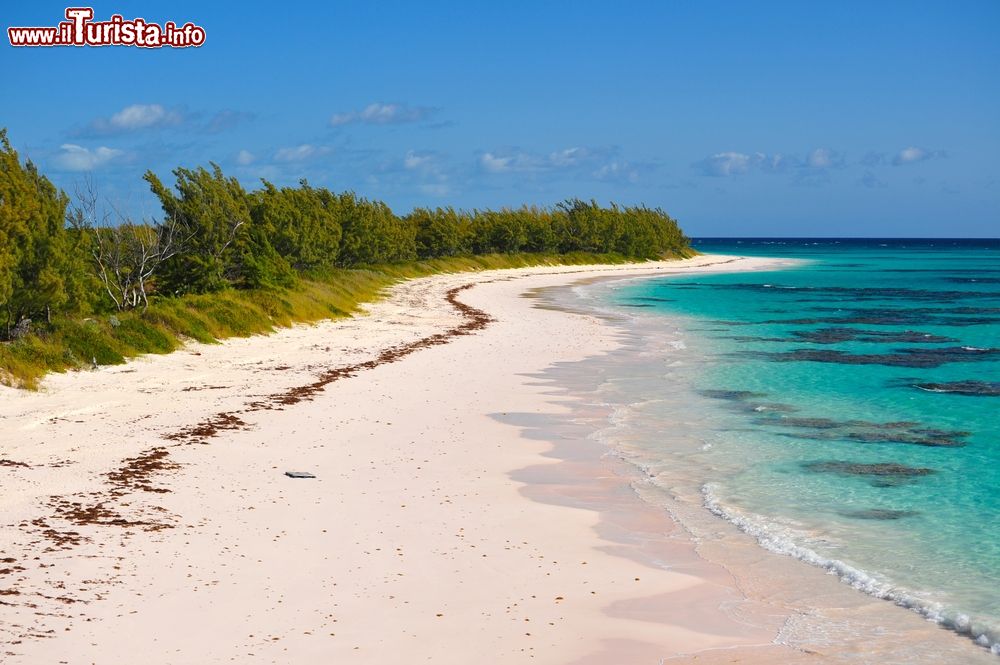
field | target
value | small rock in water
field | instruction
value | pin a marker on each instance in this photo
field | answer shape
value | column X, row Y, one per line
column 299, row 474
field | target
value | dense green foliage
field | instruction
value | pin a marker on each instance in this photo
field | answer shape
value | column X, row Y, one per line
column 223, row 246
column 42, row 268
column 300, row 223
column 266, row 237
column 224, row 261
column 574, row 226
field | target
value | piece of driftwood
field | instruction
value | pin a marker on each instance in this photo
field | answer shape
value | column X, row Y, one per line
column 299, row 474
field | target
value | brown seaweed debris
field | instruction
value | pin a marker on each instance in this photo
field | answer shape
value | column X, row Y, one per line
column 95, row 509
column 135, row 473
column 10, row 566
column 99, row 509
column 63, row 540
column 208, row 428
column 475, row 319
column 99, row 514
column 10, row 462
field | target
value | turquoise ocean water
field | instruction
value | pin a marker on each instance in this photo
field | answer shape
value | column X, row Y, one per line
column 850, row 410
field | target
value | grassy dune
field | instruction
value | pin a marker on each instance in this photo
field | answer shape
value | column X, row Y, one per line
column 113, row 338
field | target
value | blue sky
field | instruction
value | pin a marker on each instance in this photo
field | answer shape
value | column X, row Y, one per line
column 738, row 118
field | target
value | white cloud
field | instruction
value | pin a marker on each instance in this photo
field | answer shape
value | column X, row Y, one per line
column 908, row 155
column 244, row 157
column 772, row 163
column 144, row 117
column 518, row 160
column 495, row 164
column 380, row 113
column 601, row 163
column 77, row 158
column 731, row 163
column 417, row 160
column 134, row 118
column 820, row 158
column 299, row 153
column 619, row 170
column 140, row 116
column 425, row 171
column 913, row 154
column 569, row 156
column 724, row 164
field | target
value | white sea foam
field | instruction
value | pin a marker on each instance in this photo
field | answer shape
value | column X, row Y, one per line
column 773, row 538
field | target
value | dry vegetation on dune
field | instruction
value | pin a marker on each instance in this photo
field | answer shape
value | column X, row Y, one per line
column 71, row 344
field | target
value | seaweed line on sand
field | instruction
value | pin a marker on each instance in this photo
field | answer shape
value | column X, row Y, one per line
column 69, row 516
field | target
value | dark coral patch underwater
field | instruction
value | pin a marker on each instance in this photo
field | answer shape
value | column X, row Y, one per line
column 839, row 335
column 967, row 388
column 878, row 514
column 904, row 357
column 849, row 294
column 863, row 431
column 775, row 415
column 884, row 474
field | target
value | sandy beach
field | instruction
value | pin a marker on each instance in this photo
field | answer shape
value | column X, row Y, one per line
column 457, row 514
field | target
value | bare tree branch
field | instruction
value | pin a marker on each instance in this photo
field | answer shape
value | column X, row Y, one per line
column 126, row 254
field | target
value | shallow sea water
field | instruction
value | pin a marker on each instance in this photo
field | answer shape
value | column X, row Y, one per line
column 843, row 411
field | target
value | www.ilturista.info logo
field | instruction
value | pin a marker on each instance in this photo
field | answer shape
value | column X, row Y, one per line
column 80, row 30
